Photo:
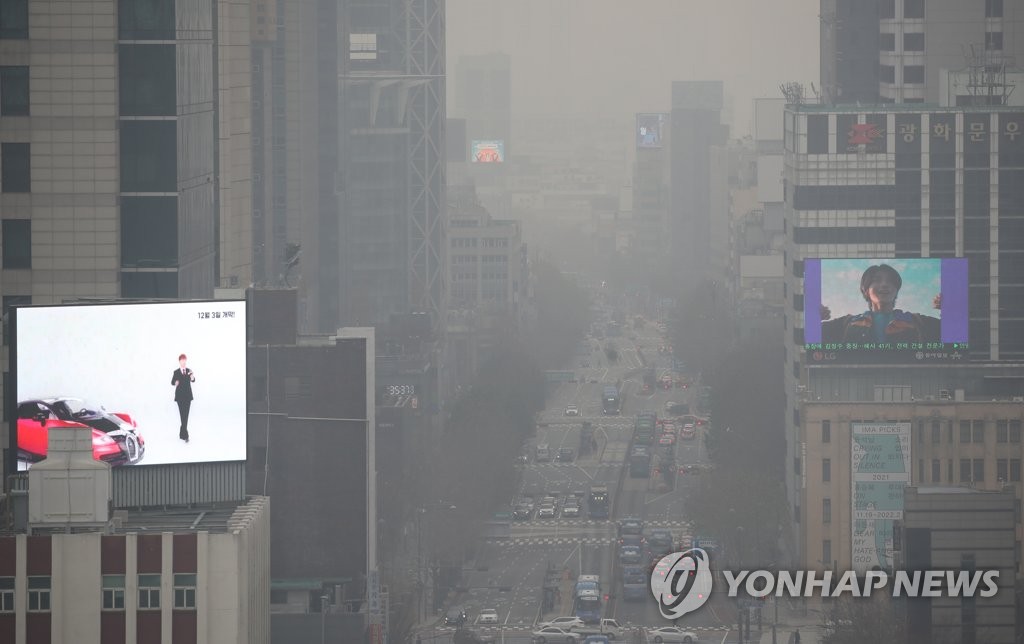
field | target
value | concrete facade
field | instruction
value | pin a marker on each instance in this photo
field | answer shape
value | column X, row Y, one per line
column 972, row 444
column 962, row 529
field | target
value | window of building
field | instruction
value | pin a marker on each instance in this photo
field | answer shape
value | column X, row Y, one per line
column 149, row 592
column 913, row 8
column 39, row 594
column 185, row 591
column 1002, row 470
column 826, row 510
column 826, row 431
column 887, row 10
column 15, row 167
column 16, row 243
column 965, row 470
column 147, row 82
column 1014, row 431
column 278, row 596
column 949, row 471
column 145, row 19
column 149, row 156
column 994, row 40
column 1002, row 431
column 949, row 431
column 362, row 46
column 936, row 470
column 1015, row 470
column 887, row 42
column 150, row 284
column 826, row 470
column 965, row 432
column 6, row 594
column 826, row 552
column 979, row 470
column 978, row 432
column 913, row 42
column 920, row 470
column 993, row 8
column 149, row 232
column 913, row 73
column 887, row 73
column 14, row 19
column 796, row 466
column 936, row 432
column 920, row 432
column 113, row 592
column 14, row 91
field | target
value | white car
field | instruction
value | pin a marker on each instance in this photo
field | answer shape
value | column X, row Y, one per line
column 554, row 634
column 670, row 634
column 572, row 410
column 487, row 616
column 546, row 512
column 565, row 623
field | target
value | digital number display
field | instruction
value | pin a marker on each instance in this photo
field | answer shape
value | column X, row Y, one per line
column 401, row 390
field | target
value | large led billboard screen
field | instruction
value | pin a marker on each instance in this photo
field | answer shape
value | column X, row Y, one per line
column 650, row 129
column 885, row 310
column 157, row 382
column 488, row 152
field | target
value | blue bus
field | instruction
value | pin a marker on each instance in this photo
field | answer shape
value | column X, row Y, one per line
column 610, row 401
column 587, row 606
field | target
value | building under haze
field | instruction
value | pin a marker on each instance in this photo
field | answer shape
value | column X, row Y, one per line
column 885, row 51
column 652, row 191
column 137, row 183
column 696, row 127
column 902, row 182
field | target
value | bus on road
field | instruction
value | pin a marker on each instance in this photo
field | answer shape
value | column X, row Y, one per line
column 610, row 401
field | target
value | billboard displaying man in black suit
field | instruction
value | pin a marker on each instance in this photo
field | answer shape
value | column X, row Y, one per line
column 182, row 380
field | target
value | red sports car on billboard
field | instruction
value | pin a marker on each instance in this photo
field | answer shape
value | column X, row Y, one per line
column 115, row 437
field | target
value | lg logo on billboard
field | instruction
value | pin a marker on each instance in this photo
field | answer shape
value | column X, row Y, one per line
column 681, row 582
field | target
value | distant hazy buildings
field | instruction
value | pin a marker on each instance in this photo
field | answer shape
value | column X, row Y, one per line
column 696, row 124
column 651, row 194
column 483, row 96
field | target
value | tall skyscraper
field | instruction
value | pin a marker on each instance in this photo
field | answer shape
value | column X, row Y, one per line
column 696, row 126
column 383, row 251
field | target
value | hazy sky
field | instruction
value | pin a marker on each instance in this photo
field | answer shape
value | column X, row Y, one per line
column 614, row 57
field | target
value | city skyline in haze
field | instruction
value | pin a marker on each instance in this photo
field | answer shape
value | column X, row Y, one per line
column 603, row 58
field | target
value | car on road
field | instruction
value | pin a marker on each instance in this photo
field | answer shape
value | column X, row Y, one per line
column 547, row 512
column 630, row 555
column 571, row 508
column 572, row 410
column 637, row 540
column 566, row 454
column 522, row 512
column 566, row 623
column 667, row 439
column 115, row 436
column 688, row 432
column 665, row 382
column 554, row 634
column 487, row 616
column 670, row 635
column 543, row 453
column 455, row 617
column 660, row 540
column 631, row 525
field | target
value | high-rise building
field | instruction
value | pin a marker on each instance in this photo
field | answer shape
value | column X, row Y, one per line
column 886, row 51
column 901, row 182
column 483, row 96
column 652, row 190
column 133, row 184
column 696, row 126
column 385, row 244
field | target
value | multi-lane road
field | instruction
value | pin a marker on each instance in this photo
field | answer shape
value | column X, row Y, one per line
column 510, row 571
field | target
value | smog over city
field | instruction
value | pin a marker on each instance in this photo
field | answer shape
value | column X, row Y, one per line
column 532, row 321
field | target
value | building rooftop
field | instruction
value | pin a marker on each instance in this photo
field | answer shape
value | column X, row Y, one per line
column 221, row 517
